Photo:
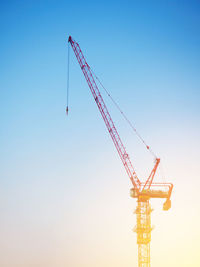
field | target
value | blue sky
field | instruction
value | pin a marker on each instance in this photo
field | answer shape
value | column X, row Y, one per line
column 147, row 55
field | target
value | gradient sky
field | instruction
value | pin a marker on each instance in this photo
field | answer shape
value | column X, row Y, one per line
column 64, row 194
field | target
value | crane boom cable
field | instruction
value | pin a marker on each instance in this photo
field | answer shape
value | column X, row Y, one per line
column 124, row 116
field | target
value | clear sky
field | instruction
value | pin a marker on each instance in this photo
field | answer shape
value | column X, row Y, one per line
column 64, row 194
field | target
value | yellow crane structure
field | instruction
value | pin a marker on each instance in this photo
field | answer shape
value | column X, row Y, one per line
column 143, row 192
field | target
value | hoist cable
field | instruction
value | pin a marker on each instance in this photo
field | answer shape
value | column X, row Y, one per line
column 125, row 117
column 67, row 108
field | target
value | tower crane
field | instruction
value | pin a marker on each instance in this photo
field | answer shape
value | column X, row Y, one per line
column 142, row 191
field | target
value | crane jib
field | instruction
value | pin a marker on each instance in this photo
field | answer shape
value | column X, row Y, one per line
column 105, row 114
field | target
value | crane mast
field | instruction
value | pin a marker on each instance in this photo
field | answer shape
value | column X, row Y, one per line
column 142, row 191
